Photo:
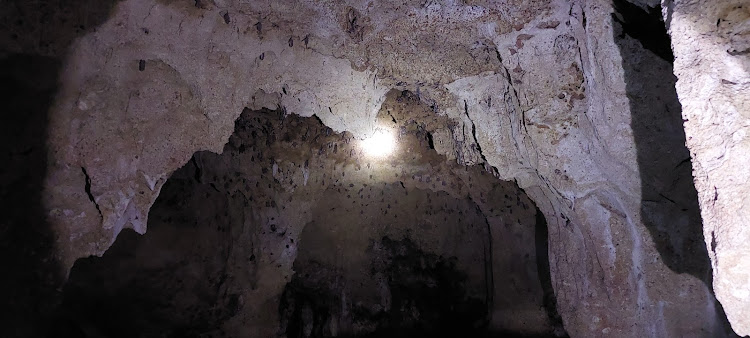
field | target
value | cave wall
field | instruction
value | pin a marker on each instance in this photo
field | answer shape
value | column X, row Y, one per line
column 537, row 91
column 711, row 43
column 291, row 230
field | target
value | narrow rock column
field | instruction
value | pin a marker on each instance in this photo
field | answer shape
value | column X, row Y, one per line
column 711, row 43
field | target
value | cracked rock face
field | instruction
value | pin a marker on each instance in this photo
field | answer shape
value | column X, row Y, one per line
column 573, row 100
column 712, row 48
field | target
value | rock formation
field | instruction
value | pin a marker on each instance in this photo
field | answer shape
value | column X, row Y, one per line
column 712, row 48
column 313, row 239
column 555, row 123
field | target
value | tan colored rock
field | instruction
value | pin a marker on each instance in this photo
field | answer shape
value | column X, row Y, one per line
column 134, row 109
column 535, row 89
column 711, row 42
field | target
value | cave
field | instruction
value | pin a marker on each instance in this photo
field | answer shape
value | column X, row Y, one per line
column 472, row 168
column 297, row 230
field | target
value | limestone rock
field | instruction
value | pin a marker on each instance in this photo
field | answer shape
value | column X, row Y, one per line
column 293, row 232
column 564, row 97
column 711, row 44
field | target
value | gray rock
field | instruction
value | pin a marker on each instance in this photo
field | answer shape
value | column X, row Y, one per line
column 573, row 103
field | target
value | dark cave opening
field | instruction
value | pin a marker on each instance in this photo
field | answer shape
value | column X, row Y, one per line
column 414, row 268
column 427, row 297
column 290, row 231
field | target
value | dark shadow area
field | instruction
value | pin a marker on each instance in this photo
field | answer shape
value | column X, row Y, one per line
column 167, row 283
column 47, row 27
column 646, row 26
column 34, row 36
column 209, row 264
column 30, row 272
column 541, row 239
column 428, row 297
column 669, row 199
column 669, row 205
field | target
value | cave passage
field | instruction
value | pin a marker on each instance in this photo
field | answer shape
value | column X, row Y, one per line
column 292, row 232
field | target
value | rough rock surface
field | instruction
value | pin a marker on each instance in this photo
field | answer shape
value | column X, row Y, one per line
column 711, row 43
column 292, row 231
column 571, row 102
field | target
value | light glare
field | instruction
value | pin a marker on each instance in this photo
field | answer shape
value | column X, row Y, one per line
column 380, row 144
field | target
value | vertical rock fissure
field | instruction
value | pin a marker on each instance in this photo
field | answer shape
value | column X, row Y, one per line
column 87, row 188
column 489, row 273
column 644, row 25
column 541, row 237
column 477, row 147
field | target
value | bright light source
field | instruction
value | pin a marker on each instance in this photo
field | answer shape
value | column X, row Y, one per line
column 381, row 144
